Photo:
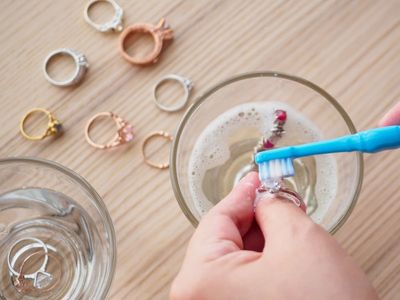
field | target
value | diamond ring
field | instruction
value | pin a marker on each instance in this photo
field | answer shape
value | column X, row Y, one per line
column 81, row 66
column 40, row 278
column 114, row 25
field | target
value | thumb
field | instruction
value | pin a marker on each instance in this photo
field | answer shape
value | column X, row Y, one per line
column 280, row 219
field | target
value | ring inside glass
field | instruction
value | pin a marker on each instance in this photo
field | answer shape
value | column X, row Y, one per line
column 21, row 248
column 43, row 202
column 249, row 96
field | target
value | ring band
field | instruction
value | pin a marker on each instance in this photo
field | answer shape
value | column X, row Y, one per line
column 40, row 278
column 81, row 66
column 162, row 134
column 124, row 131
column 184, row 82
column 286, row 194
column 37, row 244
column 159, row 33
column 114, row 25
column 54, row 127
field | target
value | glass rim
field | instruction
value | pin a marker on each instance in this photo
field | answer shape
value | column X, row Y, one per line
column 204, row 96
column 98, row 201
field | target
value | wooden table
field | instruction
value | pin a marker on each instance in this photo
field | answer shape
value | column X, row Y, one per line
column 350, row 48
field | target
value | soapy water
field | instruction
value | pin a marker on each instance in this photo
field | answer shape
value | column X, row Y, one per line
column 224, row 150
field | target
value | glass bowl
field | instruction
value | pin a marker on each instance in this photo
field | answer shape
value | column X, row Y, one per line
column 57, row 239
column 304, row 101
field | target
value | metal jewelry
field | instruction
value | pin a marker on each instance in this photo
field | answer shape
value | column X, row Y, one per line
column 114, row 25
column 54, row 127
column 269, row 141
column 81, row 66
column 151, row 136
column 124, row 131
column 40, row 278
column 160, row 33
column 184, row 82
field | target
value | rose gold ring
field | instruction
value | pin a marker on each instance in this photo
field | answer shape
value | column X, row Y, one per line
column 293, row 197
column 162, row 134
column 124, row 131
column 160, row 33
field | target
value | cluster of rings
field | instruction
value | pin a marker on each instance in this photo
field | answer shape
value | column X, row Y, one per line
column 40, row 279
column 160, row 34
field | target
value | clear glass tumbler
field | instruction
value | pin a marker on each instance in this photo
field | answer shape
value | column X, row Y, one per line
column 302, row 96
column 57, row 240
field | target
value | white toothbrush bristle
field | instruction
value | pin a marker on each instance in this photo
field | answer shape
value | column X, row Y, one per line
column 277, row 168
column 290, row 167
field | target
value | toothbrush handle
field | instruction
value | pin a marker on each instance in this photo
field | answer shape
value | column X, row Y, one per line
column 378, row 139
column 368, row 141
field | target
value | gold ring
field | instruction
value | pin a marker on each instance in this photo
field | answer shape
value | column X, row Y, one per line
column 54, row 126
column 162, row 134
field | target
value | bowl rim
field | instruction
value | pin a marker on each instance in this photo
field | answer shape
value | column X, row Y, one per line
column 98, row 201
column 202, row 98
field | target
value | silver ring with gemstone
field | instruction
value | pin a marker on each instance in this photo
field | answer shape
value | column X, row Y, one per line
column 114, row 25
column 40, row 275
column 184, row 82
column 81, row 66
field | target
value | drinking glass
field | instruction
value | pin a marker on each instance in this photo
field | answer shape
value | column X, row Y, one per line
column 55, row 232
column 311, row 101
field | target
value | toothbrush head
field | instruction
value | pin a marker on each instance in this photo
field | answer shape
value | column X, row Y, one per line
column 275, row 169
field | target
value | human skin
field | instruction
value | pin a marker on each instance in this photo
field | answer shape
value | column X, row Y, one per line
column 274, row 251
column 392, row 117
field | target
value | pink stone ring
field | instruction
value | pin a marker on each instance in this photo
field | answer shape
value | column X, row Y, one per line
column 124, row 131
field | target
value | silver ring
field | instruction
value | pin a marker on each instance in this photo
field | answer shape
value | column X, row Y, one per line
column 40, row 278
column 184, row 82
column 114, row 25
column 81, row 66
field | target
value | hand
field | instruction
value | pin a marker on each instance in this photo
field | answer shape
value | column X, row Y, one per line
column 392, row 117
column 228, row 259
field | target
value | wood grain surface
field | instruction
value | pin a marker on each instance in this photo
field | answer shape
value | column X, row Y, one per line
column 350, row 48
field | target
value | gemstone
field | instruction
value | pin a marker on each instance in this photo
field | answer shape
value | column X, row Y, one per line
column 268, row 144
column 166, row 25
column 58, row 127
column 127, row 133
column 42, row 280
column 272, row 185
column 281, row 115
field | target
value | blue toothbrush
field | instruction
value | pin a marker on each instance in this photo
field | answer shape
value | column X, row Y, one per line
column 278, row 163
